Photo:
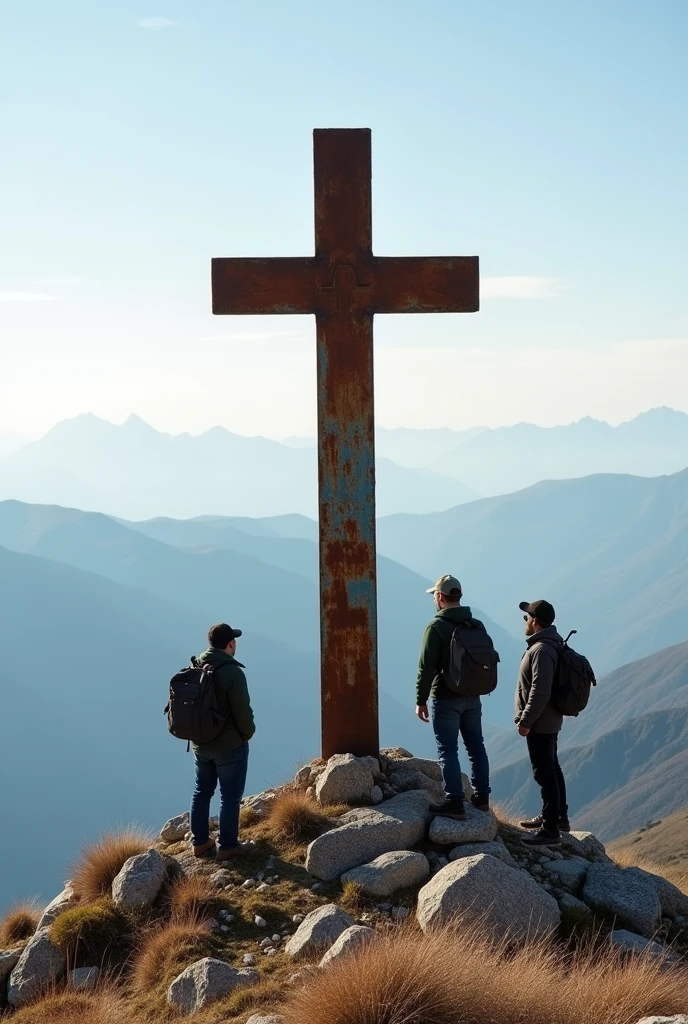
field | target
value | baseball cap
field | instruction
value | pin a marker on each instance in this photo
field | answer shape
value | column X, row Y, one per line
column 446, row 585
column 543, row 611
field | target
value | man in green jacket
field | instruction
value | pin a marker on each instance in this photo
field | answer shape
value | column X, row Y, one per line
column 224, row 759
column 451, row 714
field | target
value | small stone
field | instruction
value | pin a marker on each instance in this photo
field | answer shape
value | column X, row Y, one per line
column 187, row 837
column 206, row 981
column 264, row 943
column 176, row 829
column 262, row 887
column 349, row 941
column 248, row 959
column 220, row 879
column 626, row 940
column 317, row 887
column 271, row 952
column 213, row 924
column 224, row 927
column 250, row 883
column 442, row 861
column 346, row 779
column 260, row 922
column 276, row 938
column 139, row 882
column 376, row 795
column 319, row 929
column 400, row 913
column 298, row 918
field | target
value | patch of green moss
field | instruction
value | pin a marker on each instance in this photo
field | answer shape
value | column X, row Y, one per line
column 94, row 935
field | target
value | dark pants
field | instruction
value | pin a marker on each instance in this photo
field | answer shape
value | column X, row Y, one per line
column 542, row 747
column 451, row 716
column 230, row 771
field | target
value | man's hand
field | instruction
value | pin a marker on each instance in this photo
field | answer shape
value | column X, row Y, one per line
column 422, row 712
column 523, row 730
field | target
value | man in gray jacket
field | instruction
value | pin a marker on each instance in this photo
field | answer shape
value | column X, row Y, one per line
column 540, row 722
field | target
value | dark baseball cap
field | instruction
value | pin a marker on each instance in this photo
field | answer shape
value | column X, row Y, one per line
column 221, row 634
column 543, row 611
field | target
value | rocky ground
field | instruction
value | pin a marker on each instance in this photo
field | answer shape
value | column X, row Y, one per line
column 287, row 908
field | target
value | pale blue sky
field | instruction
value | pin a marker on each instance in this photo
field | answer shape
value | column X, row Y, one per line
column 140, row 139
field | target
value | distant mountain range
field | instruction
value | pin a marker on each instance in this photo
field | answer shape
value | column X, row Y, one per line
column 661, row 840
column 136, row 472
column 505, row 459
column 610, row 552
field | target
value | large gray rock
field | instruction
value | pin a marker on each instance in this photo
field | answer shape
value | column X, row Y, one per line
column 206, row 981
column 478, row 827
column 622, row 939
column 628, row 895
column 348, row 942
column 426, row 765
column 40, row 965
column 140, row 880
column 570, row 872
column 65, row 901
column 574, row 913
column 346, row 779
column 365, row 833
column 262, row 1018
column 674, row 902
column 259, row 803
column 9, row 958
column 503, row 900
column 405, row 779
column 174, row 830
column 389, row 872
column 318, row 930
column 585, row 844
column 491, row 849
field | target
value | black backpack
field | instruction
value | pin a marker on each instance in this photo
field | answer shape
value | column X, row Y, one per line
column 573, row 679
column 472, row 661
column 193, row 712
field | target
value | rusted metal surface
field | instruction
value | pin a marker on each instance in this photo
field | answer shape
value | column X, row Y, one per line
column 344, row 284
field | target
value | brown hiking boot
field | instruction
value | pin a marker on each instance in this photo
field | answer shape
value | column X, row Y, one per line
column 200, row 851
column 230, row 854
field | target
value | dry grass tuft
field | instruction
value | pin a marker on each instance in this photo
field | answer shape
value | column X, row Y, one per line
column 352, row 899
column 74, row 1008
column 296, row 818
column 262, row 997
column 166, row 952
column 677, row 874
column 192, row 898
column 101, row 862
column 444, row 978
column 93, row 934
column 18, row 924
column 248, row 817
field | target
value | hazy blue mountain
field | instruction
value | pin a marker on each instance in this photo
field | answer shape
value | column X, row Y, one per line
column 504, row 459
column 611, row 553
column 628, row 775
column 136, row 472
column 263, row 584
column 511, row 458
column 85, row 668
column 11, row 443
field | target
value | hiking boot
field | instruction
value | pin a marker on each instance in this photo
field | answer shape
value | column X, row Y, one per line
column 535, row 823
column 481, row 802
column 234, row 851
column 200, row 851
column 450, row 809
column 543, row 837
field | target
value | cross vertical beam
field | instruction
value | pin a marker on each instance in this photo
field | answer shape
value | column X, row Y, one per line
column 346, row 447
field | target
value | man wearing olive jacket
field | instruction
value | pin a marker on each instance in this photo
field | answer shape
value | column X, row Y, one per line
column 224, row 759
column 540, row 722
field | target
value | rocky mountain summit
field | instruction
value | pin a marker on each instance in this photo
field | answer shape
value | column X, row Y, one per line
column 344, row 858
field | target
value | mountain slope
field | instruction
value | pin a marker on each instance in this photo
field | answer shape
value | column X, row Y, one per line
column 225, row 582
column 611, row 553
column 627, row 776
column 662, row 841
column 136, row 472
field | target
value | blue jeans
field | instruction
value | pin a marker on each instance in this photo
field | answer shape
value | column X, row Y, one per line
column 451, row 716
column 230, row 771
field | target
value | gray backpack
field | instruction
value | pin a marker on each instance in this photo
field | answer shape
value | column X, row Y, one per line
column 472, row 661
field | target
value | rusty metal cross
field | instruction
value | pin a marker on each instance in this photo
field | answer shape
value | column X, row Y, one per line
column 344, row 284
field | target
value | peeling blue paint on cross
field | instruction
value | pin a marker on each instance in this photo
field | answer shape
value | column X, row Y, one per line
column 344, row 285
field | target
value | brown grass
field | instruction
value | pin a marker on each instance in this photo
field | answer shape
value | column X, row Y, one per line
column 261, row 997
column 75, row 1008
column 93, row 934
column 101, row 862
column 677, row 874
column 352, row 899
column 192, row 898
column 296, row 818
column 18, row 924
column 447, row 978
column 166, row 952
column 248, row 817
